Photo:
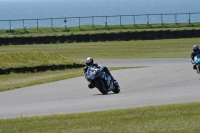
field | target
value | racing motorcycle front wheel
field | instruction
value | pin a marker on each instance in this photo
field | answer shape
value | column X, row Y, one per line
column 101, row 87
column 117, row 88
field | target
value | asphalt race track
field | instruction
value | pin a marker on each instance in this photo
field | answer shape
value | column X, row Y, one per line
column 163, row 81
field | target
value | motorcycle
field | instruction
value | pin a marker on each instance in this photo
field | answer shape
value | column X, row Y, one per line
column 197, row 63
column 101, row 80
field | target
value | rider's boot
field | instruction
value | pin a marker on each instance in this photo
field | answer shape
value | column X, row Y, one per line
column 91, row 86
column 194, row 67
column 113, row 79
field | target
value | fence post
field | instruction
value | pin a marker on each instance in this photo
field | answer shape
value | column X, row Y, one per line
column 161, row 18
column 23, row 22
column 147, row 20
column 175, row 18
column 189, row 18
column 120, row 20
column 10, row 24
column 37, row 24
column 92, row 21
column 134, row 20
column 65, row 21
column 51, row 23
column 106, row 23
column 79, row 22
column 24, row 26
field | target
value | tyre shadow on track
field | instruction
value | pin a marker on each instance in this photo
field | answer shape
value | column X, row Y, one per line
column 106, row 94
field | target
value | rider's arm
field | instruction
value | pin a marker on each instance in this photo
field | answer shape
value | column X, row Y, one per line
column 192, row 56
column 100, row 67
column 85, row 69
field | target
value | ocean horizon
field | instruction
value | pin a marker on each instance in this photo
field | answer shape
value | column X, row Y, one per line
column 39, row 9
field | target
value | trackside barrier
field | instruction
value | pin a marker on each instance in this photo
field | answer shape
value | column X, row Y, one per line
column 129, row 35
column 38, row 68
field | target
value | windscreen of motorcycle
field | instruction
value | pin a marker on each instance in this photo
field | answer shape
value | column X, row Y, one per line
column 90, row 74
column 197, row 59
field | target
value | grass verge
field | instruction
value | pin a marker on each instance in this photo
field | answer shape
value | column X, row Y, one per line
column 14, row 80
column 167, row 48
column 178, row 118
column 89, row 29
column 33, row 59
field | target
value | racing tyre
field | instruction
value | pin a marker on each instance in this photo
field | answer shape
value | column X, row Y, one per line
column 117, row 89
column 101, row 87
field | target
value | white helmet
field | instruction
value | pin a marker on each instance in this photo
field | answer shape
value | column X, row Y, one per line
column 89, row 61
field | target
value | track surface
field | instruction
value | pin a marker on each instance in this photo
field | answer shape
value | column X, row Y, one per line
column 163, row 81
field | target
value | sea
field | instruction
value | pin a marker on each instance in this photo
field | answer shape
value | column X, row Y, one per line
column 53, row 13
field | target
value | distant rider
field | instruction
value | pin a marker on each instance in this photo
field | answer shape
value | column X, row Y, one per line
column 90, row 62
column 195, row 52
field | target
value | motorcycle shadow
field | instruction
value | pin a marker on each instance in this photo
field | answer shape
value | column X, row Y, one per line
column 111, row 93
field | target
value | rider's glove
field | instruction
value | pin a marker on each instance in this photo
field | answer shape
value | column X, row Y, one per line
column 192, row 61
column 85, row 69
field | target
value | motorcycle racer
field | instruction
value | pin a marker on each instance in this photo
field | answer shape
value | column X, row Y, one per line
column 195, row 52
column 90, row 62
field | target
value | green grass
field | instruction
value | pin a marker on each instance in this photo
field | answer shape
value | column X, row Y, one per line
column 89, row 29
column 15, row 80
column 179, row 118
column 167, row 48
column 32, row 59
